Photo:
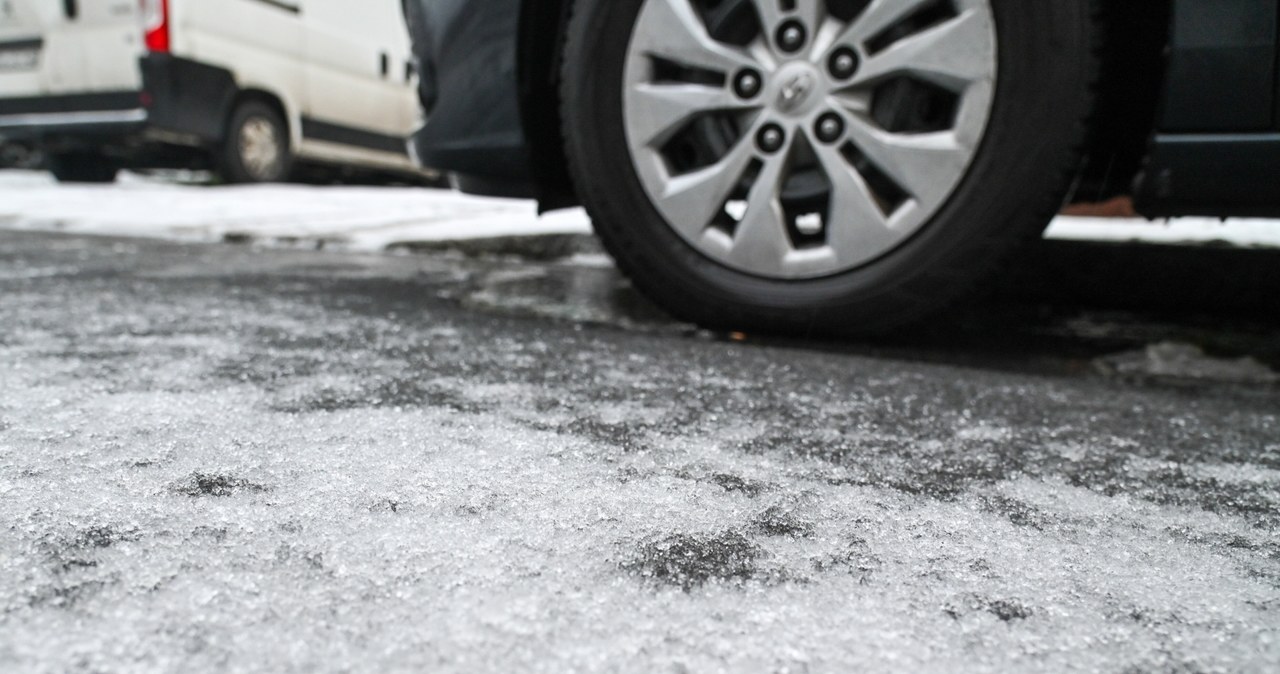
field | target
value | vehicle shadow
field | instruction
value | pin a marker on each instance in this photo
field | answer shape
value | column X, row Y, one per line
column 1065, row 303
column 1227, row 281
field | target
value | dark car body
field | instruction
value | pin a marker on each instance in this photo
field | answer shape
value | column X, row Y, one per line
column 1187, row 119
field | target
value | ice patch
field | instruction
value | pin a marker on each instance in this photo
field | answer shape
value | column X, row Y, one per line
column 1186, row 362
column 473, row 494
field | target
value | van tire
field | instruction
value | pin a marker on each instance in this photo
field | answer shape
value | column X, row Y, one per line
column 256, row 148
column 82, row 167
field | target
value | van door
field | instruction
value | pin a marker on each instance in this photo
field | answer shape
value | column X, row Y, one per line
column 21, row 44
column 359, row 85
column 69, row 46
column 108, row 34
column 26, row 60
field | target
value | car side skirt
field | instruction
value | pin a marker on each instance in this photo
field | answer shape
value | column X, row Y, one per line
column 1216, row 147
column 1217, row 175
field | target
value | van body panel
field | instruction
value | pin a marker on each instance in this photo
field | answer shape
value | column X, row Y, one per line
column 341, row 71
column 108, row 42
column 22, row 43
column 357, row 82
column 268, row 58
column 94, row 50
column 319, row 150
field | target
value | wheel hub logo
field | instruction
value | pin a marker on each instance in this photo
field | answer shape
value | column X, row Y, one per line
column 795, row 91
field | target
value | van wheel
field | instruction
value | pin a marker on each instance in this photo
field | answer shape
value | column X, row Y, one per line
column 256, row 149
column 822, row 165
column 82, row 167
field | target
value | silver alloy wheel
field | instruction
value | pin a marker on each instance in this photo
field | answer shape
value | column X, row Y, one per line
column 261, row 151
column 813, row 145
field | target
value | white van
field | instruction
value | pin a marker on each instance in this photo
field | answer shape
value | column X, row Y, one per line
column 248, row 88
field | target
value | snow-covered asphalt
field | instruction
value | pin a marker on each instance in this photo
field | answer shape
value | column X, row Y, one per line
column 223, row 458
column 375, row 218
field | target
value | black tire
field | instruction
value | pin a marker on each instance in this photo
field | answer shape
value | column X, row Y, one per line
column 235, row 166
column 1012, row 189
column 82, row 167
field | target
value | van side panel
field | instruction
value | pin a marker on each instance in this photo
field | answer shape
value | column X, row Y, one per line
column 96, row 49
column 109, row 38
column 358, row 67
column 262, row 44
column 21, row 33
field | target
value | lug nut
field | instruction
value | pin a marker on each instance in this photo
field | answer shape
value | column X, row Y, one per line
column 747, row 84
column 843, row 64
column 791, row 36
column 829, row 128
column 771, row 138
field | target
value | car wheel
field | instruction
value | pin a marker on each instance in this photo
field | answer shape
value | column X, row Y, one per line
column 800, row 165
column 82, row 167
column 256, row 149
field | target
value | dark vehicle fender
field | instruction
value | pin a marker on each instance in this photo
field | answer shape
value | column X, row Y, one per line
column 467, row 54
column 187, row 97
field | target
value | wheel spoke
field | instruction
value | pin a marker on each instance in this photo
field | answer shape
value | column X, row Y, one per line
column 760, row 241
column 856, row 227
column 851, row 101
column 681, row 37
column 811, row 12
column 923, row 165
column 808, row 12
column 952, row 54
column 663, row 109
column 770, row 12
column 693, row 200
column 879, row 16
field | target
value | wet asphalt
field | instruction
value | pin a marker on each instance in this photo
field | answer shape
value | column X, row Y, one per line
column 221, row 457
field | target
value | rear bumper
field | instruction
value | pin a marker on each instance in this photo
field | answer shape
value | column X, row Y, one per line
column 182, row 103
column 98, row 114
column 102, row 125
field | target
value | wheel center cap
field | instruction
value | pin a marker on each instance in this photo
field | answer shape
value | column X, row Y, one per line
column 796, row 88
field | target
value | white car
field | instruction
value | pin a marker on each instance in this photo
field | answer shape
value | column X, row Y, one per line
column 248, row 88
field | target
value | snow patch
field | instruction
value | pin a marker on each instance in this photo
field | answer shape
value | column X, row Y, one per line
column 375, row 218
column 1186, row 362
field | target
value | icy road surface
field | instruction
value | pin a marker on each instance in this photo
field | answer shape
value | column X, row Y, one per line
column 214, row 458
